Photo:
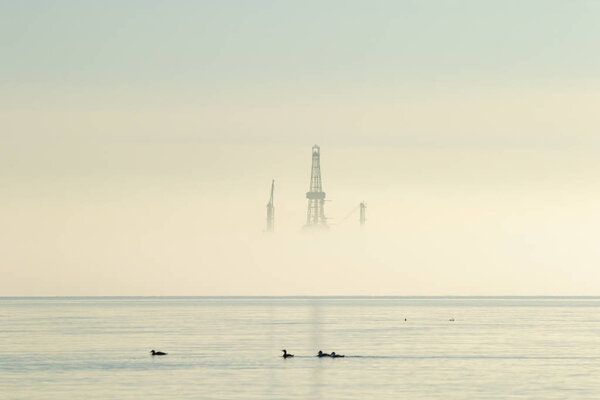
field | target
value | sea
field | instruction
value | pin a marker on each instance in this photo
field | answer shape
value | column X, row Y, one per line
column 230, row 348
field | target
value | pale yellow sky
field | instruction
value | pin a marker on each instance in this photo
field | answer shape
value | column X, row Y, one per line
column 138, row 141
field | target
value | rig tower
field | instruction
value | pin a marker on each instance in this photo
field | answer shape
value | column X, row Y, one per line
column 363, row 207
column 271, row 210
column 316, row 197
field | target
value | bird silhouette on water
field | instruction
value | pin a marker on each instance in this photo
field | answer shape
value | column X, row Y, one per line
column 157, row 353
column 333, row 355
column 321, row 354
column 286, row 354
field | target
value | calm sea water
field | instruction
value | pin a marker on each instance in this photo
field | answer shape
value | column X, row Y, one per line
column 230, row 348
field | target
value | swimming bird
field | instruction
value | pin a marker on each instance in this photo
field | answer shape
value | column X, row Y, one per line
column 157, row 353
column 333, row 355
column 286, row 355
column 321, row 354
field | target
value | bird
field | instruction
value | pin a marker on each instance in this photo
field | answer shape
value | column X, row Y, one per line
column 321, row 354
column 286, row 354
column 336, row 355
column 157, row 353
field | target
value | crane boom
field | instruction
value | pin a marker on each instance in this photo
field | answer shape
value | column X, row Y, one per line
column 271, row 210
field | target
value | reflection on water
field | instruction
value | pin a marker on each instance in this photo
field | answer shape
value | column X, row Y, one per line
column 230, row 348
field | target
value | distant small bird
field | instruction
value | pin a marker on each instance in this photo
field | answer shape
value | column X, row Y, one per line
column 336, row 355
column 157, row 353
column 451, row 320
column 286, row 355
column 321, row 354
column 404, row 319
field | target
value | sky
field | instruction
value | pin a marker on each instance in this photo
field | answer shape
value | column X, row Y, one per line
column 138, row 140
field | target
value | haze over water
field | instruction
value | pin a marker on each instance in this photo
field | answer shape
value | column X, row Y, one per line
column 230, row 348
column 138, row 143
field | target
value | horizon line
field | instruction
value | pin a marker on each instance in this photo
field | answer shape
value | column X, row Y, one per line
column 306, row 296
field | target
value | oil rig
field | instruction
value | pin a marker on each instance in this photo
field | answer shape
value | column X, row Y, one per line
column 315, row 216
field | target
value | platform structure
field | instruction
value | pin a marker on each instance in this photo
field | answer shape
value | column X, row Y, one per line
column 315, row 216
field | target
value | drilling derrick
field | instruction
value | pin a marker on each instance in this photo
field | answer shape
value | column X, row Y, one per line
column 363, row 207
column 271, row 210
column 316, row 197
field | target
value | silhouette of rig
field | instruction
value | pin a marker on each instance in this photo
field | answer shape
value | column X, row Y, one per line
column 315, row 215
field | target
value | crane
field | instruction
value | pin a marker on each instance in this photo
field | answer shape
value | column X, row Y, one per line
column 363, row 207
column 271, row 210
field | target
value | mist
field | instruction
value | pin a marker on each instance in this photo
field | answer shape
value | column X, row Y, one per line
column 189, row 219
column 138, row 142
